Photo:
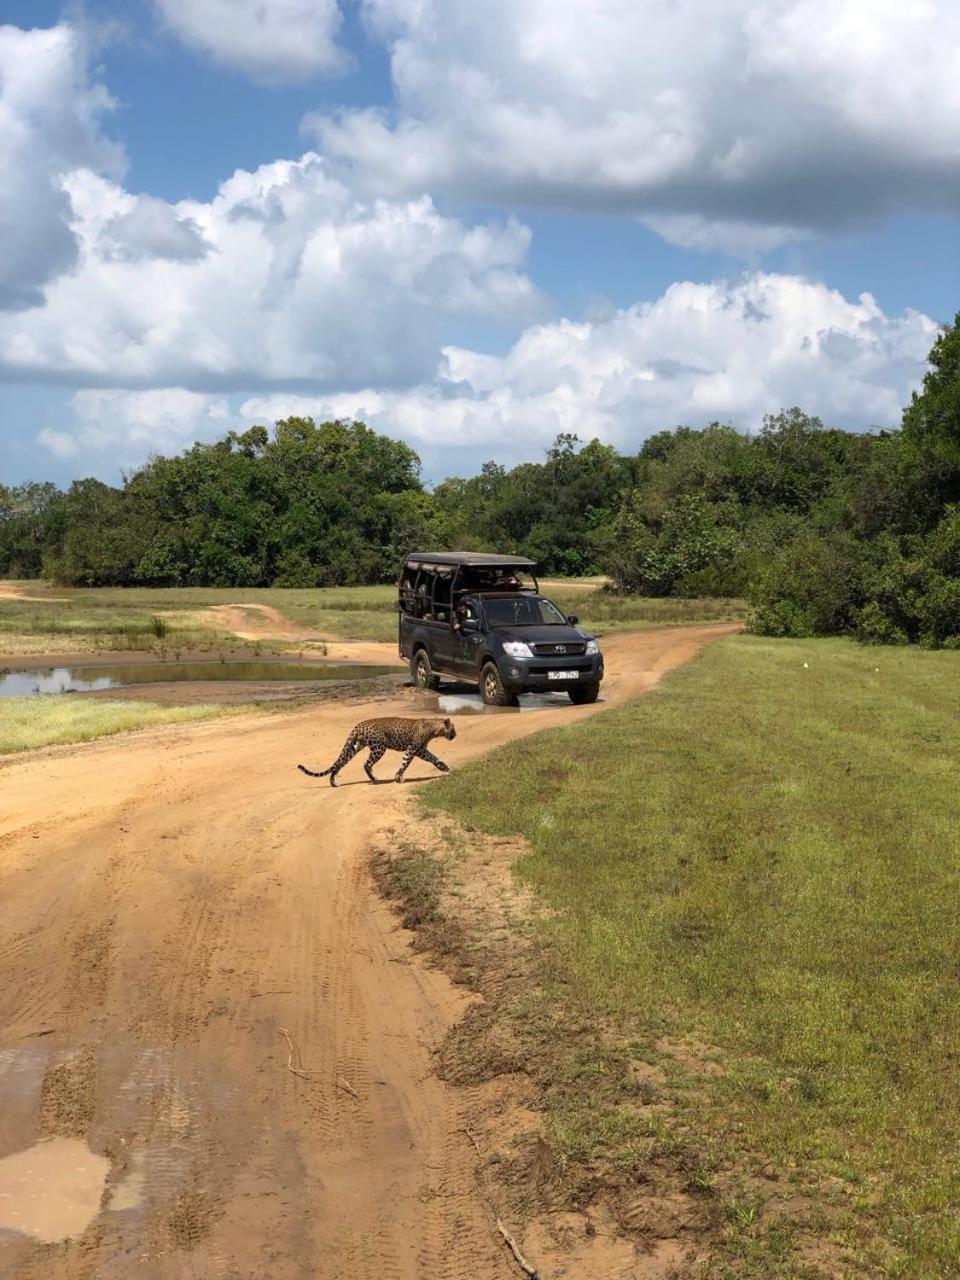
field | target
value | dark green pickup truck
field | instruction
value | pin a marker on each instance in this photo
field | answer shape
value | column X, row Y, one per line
column 481, row 618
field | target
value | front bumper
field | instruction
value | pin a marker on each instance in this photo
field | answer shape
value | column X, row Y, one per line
column 532, row 675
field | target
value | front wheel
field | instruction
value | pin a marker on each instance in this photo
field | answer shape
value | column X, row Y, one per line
column 421, row 672
column 584, row 694
column 491, row 688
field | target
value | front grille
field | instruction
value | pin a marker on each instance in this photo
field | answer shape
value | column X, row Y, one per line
column 571, row 650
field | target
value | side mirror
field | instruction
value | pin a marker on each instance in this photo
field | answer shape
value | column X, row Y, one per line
column 469, row 624
column 573, row 619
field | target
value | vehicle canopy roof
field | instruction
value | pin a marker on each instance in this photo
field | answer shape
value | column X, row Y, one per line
column 466, row 559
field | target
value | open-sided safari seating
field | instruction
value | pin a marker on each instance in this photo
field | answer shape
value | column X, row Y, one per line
column 481, row 618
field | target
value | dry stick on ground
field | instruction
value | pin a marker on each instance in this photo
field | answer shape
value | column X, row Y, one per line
column 304, row 1075
column 511, row 1244
column 345, row 1085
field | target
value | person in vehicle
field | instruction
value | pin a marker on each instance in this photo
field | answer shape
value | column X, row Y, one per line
column 461, row 614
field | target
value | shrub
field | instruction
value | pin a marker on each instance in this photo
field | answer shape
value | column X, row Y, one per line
column 874, row 627
column 939, row 610
column 782, row 618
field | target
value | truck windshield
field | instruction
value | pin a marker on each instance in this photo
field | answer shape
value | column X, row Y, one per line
column 522, row 611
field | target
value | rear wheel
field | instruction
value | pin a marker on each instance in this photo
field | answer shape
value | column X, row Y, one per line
column 491, row 688
column 583, row 694
column 422, row 672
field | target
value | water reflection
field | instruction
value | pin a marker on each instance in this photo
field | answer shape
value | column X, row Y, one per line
column 26, row 684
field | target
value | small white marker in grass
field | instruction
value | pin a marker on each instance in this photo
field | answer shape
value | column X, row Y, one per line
column 806, row 666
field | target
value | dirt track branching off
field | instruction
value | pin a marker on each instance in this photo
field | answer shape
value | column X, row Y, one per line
column 43, row 618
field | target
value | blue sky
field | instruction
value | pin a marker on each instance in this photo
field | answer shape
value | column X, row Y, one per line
column 547, row 218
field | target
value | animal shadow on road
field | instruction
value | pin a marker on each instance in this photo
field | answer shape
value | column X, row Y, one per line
column 381, row 782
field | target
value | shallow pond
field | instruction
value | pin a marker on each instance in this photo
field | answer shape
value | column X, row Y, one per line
column 31, row 683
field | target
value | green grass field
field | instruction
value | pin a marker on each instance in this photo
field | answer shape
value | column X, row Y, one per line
column 57, row 619
column 764, row 855
column 29, row 723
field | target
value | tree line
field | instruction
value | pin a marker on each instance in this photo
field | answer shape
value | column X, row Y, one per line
column 824, row 531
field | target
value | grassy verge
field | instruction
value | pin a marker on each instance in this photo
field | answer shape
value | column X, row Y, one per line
column 747, row 969
column 59, row 619
column 602, row 611
column 29, row 723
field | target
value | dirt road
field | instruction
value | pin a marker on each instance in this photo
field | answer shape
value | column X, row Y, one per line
column 263, row 622
column 172, row 901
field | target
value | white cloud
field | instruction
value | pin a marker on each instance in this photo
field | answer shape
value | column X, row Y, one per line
column 788, row 114
column 701, row 352
column 741, row 239
column 122, row 428
column 151, row 228
column 50, row 121
column 732, row 351
column 273, row 41
column 297, row 282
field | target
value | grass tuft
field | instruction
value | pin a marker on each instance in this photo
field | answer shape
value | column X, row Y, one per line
column 29, row 723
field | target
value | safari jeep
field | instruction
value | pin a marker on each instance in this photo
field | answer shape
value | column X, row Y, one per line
column 481, row 619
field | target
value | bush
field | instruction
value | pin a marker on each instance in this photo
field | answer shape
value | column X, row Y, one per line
column 874, row 627
column 939, row 610
column 782, row 619
column 814, row 586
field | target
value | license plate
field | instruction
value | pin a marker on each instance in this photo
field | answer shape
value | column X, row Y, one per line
column 562, row 675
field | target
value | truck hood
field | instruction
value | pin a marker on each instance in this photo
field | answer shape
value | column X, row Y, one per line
column 544, row 635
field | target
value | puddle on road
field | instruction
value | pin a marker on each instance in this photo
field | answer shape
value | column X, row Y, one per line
column 32, row 683
column 129, row 1193
column 469, row 703
column 53, row 1190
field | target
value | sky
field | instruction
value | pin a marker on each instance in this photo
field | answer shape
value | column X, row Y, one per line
column 471, row 226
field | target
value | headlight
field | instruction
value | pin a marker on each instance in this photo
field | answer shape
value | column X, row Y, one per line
column 592, row 647
column 517, row 649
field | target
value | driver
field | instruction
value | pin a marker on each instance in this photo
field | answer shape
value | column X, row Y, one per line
column 461, row 614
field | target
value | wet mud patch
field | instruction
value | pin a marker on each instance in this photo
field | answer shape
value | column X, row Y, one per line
column 68, row 1095
column 52, row 1191
column 119, row 1152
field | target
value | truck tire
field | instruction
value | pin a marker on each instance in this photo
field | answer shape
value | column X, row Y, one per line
column 584, row 694
column 491, row 688
column 421, row 671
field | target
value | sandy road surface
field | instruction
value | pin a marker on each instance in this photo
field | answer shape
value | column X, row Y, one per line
column 171, row 901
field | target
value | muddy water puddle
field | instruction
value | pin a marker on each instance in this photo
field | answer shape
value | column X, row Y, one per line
column 78, row 679
column 52, row 1190
column 467, row 702
column 133, row 1164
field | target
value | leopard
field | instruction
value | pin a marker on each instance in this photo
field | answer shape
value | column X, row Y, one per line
column 391, row 733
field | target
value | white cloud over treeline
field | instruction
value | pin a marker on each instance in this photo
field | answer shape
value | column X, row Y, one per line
column 345, row 281
column 729, row 351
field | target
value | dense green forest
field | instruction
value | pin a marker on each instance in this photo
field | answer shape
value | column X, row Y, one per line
column 825, row 531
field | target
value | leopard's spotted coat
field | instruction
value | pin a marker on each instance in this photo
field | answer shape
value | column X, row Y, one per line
column 391, row 733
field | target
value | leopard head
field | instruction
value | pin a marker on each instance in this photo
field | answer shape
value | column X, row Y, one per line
column 448, row 730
